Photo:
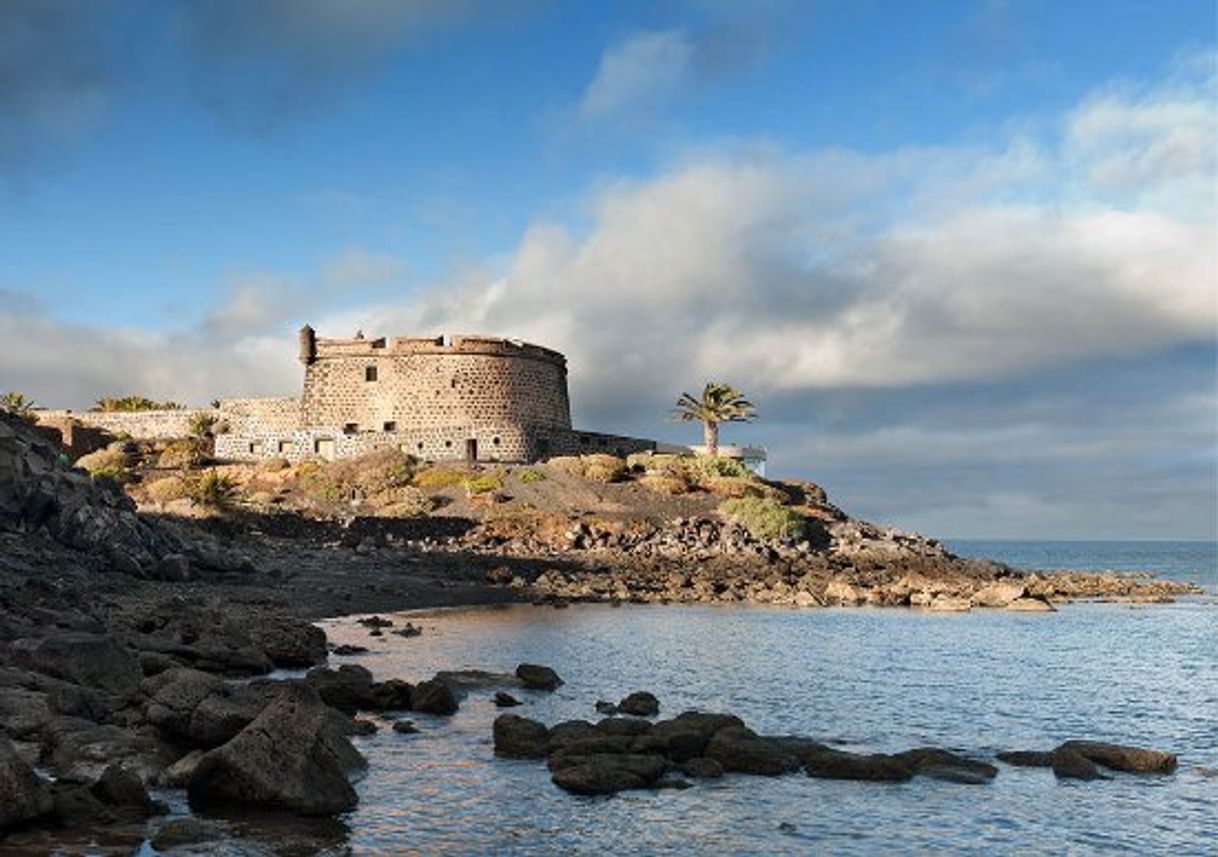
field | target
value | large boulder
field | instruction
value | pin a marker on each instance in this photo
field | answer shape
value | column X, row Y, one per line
column 538, row 677
column 348, row 688
column 291, row 757
column 740, row 750
column 23, row 796
column 94, row 660
column 1119, row 757
column 641, row 703
column 173, row 696
column 518, row 737
column 434, row 696
column 839, row 765
column 606, row 773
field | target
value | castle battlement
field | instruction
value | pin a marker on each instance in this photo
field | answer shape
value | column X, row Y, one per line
column 479, row 398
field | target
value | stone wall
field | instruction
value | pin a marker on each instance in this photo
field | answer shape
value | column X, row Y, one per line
column 145, row 425
column 430, row 444
column 260, row 415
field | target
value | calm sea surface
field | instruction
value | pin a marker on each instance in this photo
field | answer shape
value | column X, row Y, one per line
column 870, row 680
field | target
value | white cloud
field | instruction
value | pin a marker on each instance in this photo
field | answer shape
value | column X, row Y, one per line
column 644, row 68
column 801, row 271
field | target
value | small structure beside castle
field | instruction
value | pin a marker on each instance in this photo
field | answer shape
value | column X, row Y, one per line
column 473, row 398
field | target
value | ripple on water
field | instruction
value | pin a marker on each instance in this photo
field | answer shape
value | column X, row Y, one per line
column 875, row 680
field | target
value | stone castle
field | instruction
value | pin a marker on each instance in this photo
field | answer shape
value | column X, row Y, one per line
column 475, row 398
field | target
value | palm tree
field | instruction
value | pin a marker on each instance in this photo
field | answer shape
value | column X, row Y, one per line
column 18, row 405
column 719, row 403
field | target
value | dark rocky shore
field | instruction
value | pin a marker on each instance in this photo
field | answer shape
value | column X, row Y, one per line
column 134, row 650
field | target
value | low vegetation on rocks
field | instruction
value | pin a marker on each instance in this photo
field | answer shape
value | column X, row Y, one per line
column 765, row 517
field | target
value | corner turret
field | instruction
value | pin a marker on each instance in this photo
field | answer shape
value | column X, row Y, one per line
column 308, row 345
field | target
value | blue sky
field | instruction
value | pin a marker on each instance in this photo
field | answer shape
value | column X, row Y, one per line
column 961, row 252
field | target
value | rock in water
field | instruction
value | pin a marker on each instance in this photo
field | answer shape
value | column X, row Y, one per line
column 605, row 773
column 538, row 677
column 291, row 757
column 503, row 699
column 518, row 737
column 23, row 796
column 348, row 688
column 640, row 703
column 434, row 696
column 1119, row 757
column 1070, row 765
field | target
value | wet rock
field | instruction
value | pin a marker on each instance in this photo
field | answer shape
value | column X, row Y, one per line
column 120, row 786
column 23, row 795
column 183, row 831
column 288, row 642
column 405, row 727
column 503, row 699
column 741, row 750
column 839, row 765
column 1071, row 765
column 364, row 726
column 608, row 772
column 641, row 703
column 177, row 775
column 291, row 757
column 1031, row 604
column 538, row 677
column 627, row 726
column 93, row 660
column 392, row 695
column 943, row 765
column 702, row 768
column 408, row 630
column 348, row 688
column 518, row 737
column 375, row 622
column 606, row 708
column 434, row 696
column 1119, row 757
column 1026, row 758
column 348, row 649
column 75, row 806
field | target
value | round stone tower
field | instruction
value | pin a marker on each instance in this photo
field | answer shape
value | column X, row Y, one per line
column 475, row 397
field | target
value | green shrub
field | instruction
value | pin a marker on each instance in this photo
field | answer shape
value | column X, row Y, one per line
column 213, row 489
column 764, row 518
column 572, row 464
column 600, row 467
column 530, row 476
column 109, row 462
column 664, row 483
column 702, row 467
column 167, row 490
column 482, row 484
column 18, row 405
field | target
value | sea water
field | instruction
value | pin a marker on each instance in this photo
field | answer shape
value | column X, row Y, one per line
column 868, row 680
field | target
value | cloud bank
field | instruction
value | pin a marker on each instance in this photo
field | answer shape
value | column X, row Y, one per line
column 825, row 283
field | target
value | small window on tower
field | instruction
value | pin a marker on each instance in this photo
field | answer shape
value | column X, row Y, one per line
column 391, row 426
column 351, row 428
column 369, row 373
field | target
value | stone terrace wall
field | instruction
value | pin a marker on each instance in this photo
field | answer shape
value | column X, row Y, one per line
column 144, row 425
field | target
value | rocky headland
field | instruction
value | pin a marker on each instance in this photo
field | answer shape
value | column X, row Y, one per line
column 136, row 635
